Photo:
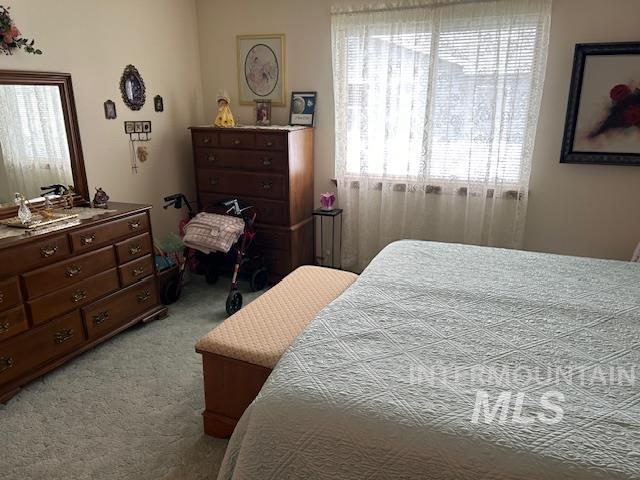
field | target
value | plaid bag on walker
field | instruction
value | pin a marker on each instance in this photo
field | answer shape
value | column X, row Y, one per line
column 210, row 232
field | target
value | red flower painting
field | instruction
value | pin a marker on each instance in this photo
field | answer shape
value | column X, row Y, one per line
column 623, row 113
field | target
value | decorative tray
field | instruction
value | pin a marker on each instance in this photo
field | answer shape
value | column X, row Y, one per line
column 38, row 221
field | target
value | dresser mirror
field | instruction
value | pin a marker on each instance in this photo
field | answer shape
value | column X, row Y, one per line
column 39, row 138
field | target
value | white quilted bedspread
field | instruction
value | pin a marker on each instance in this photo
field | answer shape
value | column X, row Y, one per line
column 385, row 381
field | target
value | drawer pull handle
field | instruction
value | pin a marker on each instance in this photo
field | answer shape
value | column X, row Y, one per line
column 73, row 270
column 49, row 250
column 62, row 336
column 87, row 239
column 1, row 296
column 269, row 143
column 237, row 142
column 134, row 225
column 5, row 363
column 206, row 140
column 145, row 296
column 137, row 271
column 78, row 295
column 136, row 249
column 4, row 326
column 214, row 181
column 101, row 317
column 267, row 185
column 211, row 158
column 266, row 162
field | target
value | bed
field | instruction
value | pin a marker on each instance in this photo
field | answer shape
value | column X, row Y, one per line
column 457, row 362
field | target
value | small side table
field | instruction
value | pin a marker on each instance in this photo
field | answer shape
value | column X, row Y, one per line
column 319, row 213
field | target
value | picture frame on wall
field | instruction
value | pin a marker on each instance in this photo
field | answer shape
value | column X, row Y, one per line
column 303, row 108
column 602, row 125
column 261, row 68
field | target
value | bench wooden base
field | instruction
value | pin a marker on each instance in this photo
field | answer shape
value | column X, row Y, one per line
column 230, row 386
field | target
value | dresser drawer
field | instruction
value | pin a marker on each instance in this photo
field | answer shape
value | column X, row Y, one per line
column 236, row 139
column 25, row 352
column 267, row 211
column 135, row 271
column 242, row 159
column 12, row 322
column 48, row 279
column 119, row 308
column 270, row 141
column 74, row 296
column 90, row 238
column 33, row 255
column 133, row 248
column 241, row 183
column 9, row 293
column 273, row 239
column 205, row 139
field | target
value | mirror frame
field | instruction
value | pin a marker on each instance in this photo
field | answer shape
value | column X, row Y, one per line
column 138, row 102
column 64, row 84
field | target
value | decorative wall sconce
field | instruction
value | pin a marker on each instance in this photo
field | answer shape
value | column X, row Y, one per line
column 110, row 110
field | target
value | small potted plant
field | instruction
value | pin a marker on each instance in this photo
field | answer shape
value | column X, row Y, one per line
column 11, row 38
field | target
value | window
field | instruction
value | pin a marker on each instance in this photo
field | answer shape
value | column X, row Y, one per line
column 438, row 96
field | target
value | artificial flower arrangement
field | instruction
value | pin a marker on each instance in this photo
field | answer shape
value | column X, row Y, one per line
column 10, row 36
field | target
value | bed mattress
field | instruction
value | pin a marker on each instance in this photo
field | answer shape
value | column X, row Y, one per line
column 457, row 362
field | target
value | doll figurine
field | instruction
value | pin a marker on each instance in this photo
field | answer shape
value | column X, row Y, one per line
column 225, row 117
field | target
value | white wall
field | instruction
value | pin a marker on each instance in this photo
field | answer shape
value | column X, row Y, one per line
column 582, row 210
column 94, row 40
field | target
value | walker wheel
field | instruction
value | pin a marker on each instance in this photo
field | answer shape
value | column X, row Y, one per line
column 259, row 279
column 171, row 292
column 234, row 302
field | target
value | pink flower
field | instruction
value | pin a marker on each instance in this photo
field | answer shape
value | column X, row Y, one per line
column 10, row 34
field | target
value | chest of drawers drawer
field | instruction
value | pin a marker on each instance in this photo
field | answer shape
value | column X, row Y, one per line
column 115, row 310
column 74, row 296
column 12, row 322
column 237, row 139
column 133, row 248
column 267, row 211
column 48, row 279
column 241, row 159
column 90, row 238
column 135, row 271
column 33, row 255
column 241, row 183
column 9, row 293
column 205, row 139
column 26, row 352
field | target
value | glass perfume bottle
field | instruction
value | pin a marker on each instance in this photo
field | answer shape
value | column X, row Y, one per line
column 24, row 214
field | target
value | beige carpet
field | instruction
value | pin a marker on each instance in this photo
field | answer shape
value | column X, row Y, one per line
column 128, row 409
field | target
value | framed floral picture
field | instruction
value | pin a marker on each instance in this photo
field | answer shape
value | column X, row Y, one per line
column 261, row 68
column 603, row 116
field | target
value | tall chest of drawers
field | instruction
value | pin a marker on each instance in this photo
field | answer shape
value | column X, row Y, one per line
column 271, row 169
column 66, row 289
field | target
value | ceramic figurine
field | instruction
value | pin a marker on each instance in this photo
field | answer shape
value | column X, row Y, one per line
column 47, row 211
column 225, row 117
column 327, row 200
column 100, row 199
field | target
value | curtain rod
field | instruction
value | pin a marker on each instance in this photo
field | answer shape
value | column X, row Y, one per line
column 433, row 4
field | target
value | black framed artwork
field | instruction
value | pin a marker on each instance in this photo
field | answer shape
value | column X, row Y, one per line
column 303, row 108
column 603, row 115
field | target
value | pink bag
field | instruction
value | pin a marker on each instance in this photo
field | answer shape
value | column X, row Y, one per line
column 210, row 232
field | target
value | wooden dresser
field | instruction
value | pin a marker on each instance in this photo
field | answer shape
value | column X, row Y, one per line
column 271, row 169
column 66, row 289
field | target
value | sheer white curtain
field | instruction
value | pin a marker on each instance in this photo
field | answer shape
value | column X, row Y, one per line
column 33, row 138
column 436, row 106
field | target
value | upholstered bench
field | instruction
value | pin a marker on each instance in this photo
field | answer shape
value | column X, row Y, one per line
column 239, row 355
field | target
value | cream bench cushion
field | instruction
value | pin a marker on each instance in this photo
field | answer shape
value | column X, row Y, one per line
column 262, row 331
